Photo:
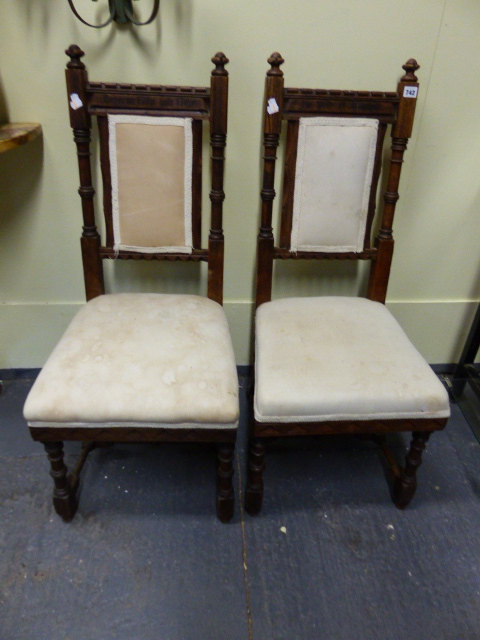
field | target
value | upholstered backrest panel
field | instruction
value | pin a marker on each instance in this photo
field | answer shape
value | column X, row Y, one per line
column 333, row 177
column 151, row 169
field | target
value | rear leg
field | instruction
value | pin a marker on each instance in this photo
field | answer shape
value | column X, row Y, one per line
column 405, row 483
column 256, row 466
column 64, row 500
column 225, row 493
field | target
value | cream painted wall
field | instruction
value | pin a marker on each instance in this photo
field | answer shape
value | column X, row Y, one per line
column 335, row 44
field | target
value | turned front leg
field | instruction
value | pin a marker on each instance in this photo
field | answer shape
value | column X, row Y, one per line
column 225, row 493
column 63, row 497
column 406, row 483
column 256, row 466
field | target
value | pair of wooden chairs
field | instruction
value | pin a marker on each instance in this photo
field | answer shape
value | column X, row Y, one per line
column 139, row 367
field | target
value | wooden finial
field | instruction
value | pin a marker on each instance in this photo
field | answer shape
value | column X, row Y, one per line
column 275, row 60
column 220, row 60
column 75, row 54
column 410, row 67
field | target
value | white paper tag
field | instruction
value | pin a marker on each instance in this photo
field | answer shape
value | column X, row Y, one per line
column 75, row 101
column 272, row 106
column 410, row 92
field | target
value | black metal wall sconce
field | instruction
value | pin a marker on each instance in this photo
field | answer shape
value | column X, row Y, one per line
column 121, row 11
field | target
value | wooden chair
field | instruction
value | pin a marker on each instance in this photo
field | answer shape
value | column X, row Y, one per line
column 336, row 365
column 143, row 367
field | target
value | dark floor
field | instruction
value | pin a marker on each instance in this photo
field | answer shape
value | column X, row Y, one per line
column 329, row 557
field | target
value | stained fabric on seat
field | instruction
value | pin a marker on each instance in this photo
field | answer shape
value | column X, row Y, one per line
column 159, row 360
column 338, row 358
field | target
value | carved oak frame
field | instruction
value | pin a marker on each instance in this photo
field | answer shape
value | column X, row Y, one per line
column 201, row 104
column 389, row 108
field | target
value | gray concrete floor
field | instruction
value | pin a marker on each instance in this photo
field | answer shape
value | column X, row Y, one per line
column 328, row 557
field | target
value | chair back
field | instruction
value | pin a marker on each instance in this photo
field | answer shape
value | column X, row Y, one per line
column 150, row 139
column 333, row 160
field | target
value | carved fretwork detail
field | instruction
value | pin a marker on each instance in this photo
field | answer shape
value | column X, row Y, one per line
column 275, row 60
column 286, row 254
column 410, row 67
column 109, row 254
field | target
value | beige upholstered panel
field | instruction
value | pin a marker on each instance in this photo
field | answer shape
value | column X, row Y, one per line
column 147, row 360
column 335, row 358
column 333, row 175
column 151, row 167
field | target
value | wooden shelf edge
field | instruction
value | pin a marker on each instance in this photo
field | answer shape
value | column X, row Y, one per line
column 14, row 134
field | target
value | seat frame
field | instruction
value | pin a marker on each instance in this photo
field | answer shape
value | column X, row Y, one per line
column 201, row 104
column 389, row 108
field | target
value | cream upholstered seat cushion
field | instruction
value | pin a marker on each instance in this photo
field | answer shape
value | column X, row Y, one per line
column 155, row 360
column 336, row 358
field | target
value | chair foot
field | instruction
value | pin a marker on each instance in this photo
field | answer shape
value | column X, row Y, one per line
column 225, row 493
column 256, row 466
column 64, row 500
column 405, row 484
